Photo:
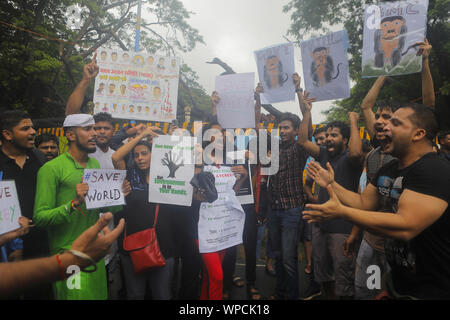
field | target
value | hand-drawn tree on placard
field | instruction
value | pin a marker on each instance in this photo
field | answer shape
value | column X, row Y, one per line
column 171, row 162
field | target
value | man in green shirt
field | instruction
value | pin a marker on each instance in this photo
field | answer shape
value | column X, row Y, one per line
column 60, row 208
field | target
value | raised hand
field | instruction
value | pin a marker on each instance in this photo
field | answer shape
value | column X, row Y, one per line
column 215, row 99
column 424, row 49
column 90, row 71
column 353, row 116
column 307, row 101
column 320, row 175
column 297, row 80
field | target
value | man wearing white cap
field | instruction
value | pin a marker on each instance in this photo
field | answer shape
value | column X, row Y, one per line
column 60, row 209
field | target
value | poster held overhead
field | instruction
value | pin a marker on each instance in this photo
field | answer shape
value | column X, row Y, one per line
column 137, row 85
column 325, row 66
column 390, row 31
column 171, row 170
column 236, row 106
column 275, row 68
column 9, row 207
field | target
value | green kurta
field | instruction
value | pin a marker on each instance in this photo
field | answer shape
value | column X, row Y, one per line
column 55, row 190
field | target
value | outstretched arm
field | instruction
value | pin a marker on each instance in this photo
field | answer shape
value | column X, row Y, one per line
column 19, row 276
column 416, row 212
column 368, row 103
column 90, row 71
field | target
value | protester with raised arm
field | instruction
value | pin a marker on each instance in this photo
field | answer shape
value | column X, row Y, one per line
column 332, row 268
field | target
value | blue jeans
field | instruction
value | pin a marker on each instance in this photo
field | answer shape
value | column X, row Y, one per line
column 284, row 227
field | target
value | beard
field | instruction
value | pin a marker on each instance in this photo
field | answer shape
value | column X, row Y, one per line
column 337, row 150
column 85, row 148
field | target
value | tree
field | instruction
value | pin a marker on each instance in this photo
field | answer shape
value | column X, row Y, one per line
column 170, row 161
column 39, row 73
column 314, row 17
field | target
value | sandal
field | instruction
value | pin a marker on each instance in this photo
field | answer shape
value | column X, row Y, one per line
column 270, row 270
column 225, row 295
column 238, row 282
column 253, row 293
column 308, row 269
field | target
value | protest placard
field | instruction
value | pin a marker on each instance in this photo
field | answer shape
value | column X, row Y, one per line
column 325, row 66
column 390, row 31
column 171, row 170
column 275, row 69
column 105, row 187
column 221, row 223
column 236, row 106
column 137, row 85
column 9, row 207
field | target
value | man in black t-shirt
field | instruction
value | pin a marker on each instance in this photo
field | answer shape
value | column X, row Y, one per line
column 416, row 225
column 20, row 161
column 333, row 262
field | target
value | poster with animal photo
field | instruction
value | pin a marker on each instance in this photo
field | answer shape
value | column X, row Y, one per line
column 275, row 68
column 390, row 31
column 325, row 66
column 138, row 85
column 171, row 170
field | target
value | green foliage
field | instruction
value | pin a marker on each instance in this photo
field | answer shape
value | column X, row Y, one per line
column 38, row 74
column 315, row 17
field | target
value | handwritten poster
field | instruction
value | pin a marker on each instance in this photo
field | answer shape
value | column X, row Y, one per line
column 325, row 66
column 105, row 187
column 138, row 85
column 221, row 223
column 9, row 207
column 236, row 108
column 390, row 31
column 275, row 69
column 171, row 170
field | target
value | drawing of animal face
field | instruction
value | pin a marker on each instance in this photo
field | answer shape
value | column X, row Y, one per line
column 320, row 56
column 273, row 72
column 272, row 64
column 391, row 28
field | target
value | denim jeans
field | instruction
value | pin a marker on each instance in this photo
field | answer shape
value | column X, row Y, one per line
column 284, row 233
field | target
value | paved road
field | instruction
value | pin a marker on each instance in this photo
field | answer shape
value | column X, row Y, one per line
column 264, row 282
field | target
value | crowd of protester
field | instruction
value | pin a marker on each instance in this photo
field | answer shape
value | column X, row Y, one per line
column 381, row 202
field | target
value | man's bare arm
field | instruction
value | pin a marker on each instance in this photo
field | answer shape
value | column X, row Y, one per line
column 368, row 103
column 355, row 153
column 428, row 97
column 90, row 71
column 303, row 136
column 416, row 212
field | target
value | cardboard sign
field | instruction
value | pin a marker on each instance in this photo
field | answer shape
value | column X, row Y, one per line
column 171, row 170
column 9, row 207
column 105, row 187
column 275, row 69
column 221, row 223
column 236, row 108
column 137, row 85
column 390, row 31
column 325, row 66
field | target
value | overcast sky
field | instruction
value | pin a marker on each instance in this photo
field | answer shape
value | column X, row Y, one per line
column 232, row 31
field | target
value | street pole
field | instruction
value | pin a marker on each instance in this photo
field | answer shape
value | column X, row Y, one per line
column 138, row 27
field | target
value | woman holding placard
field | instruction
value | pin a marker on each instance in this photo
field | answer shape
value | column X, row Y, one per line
column 140, row 216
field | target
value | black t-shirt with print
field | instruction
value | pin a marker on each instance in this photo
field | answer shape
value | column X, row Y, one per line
column 421, row 266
